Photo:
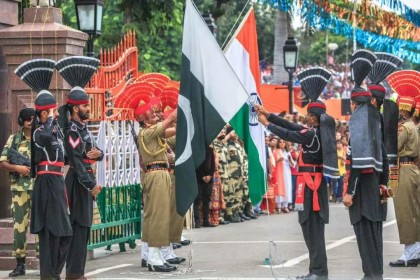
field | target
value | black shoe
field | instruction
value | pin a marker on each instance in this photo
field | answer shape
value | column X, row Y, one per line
column 236, row 214
column 208, row 225
column 311, row 276
column 263, row 213
column 160, row 268
column 174, row 261
column 197, row 224
column 401, row 263
column 244, row 217
column 176, row 245
column 232, row 219
column 20, row 268
column 143, row 263
column 82, row 277
column 223, row 222
column 185, row 242
column 174, row 267
column 180, row 259
column 303, row 276
column 250, row 215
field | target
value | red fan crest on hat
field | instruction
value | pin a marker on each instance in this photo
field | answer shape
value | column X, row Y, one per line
column 133, row 94
column 157, row 79
column 169, row 99
column 407, row 84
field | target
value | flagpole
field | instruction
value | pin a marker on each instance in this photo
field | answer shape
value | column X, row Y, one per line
column 233, row 26
column 238, row 29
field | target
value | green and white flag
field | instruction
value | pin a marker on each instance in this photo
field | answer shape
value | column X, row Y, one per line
column 211, row 95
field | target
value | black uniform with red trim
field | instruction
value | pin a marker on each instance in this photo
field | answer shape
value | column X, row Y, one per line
column 365, row 159
column 50, row 210
column 315, row 212
column 80, row 179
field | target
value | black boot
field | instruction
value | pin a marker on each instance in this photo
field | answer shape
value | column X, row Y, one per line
column 248, row 211
column 243, row 217
column 232, row 219
column 20, row 268
column 236, row 214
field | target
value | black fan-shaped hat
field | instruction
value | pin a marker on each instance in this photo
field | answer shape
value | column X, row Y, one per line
column 361, row 63
column 77, row 70
column 313, row 80
column 384, row 65
column 36, row 73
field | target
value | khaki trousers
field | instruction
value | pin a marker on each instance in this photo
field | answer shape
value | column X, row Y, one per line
column 407, row 204
column 157, row 208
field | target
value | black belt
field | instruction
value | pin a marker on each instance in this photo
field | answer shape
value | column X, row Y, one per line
column 310, row 169
column 407, row 159
column 88, row 168
column 157, row 166
column 52, row 168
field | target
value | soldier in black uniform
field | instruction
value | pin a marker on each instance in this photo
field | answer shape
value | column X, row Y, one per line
column 82, row 152
column 318, row 157
column 49, row 211
column 384, row 66
column 366, row 163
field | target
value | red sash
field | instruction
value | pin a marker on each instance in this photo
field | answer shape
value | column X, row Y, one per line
column 310, row 179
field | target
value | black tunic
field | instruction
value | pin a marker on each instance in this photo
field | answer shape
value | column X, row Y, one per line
column 80, row 179
column 49, row 201
column 310, row 138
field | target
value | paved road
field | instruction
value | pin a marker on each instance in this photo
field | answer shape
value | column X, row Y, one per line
column 238, row 251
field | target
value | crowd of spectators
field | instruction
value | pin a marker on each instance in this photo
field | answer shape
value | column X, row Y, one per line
column 340, row 85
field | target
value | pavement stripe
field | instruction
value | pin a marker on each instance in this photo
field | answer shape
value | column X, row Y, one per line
column 340, row 242
column 106, row 269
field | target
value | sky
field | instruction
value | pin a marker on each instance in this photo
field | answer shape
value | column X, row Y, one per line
column 413, row 4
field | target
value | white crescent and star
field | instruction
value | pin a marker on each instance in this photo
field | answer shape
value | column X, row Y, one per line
column 185, row 105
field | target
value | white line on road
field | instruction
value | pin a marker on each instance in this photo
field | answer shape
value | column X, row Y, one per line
column 106, row 269
column 340, row 242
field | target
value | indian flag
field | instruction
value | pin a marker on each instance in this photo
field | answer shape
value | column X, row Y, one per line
column 242, row 54
column 211, row 95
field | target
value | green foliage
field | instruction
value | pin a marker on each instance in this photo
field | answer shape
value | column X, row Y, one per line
column 22, row 5
column 313, row 48
column 158, row 25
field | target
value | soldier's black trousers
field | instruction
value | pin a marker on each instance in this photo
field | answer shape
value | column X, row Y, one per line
column 76, row 260
column 53, row 252
column 313, row 230
column 369, row 241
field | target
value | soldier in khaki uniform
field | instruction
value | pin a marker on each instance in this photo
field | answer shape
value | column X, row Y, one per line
column 21, row 185
column 407, row 198
column 157, row 184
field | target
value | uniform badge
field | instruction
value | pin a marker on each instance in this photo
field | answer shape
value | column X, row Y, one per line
column 74, row 143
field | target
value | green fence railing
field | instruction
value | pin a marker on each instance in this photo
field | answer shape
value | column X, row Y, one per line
column 119, row 217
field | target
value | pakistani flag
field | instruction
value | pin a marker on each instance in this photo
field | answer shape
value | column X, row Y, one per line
column 211, row 95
